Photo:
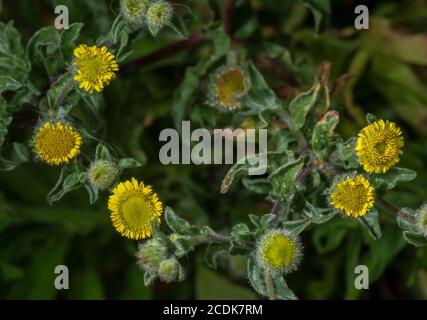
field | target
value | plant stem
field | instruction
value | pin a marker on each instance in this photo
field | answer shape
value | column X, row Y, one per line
column 393, row 210
column 169, row 51
column 269, row 285
column 227, row 16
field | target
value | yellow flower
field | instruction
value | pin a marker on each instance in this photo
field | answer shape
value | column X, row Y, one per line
column 353, row 196
column 378, row 146
column 279, row 252
column 133, row 207
column 228, row 83
column 57, row 143
column 95, row 67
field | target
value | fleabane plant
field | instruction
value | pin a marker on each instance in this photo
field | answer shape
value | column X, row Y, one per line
column 312, row 175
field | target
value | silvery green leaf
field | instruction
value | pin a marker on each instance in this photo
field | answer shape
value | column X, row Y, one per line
column 301, row 105
column 69, row 180
column 102, row 153
column 297, row 226
column 127, row 163
column 47, row 37
column 372, row 224
column 241, row 232
column 93, row 193
column 213, row 252
column 254, row 219
column 149, row 278
column 323, row 132
column 68, row 41
column 259, row 96
column 392, row 177
column 407, row 220
column 176, row 223
column 256, row 278
column 416, row 239
column 283, row 179
column 370, row 118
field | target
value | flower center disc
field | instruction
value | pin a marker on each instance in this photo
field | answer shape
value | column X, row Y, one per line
column 136, row 212
column 280, row 251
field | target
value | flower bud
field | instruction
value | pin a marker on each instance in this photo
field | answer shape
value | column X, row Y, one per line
column 279, row 252
column 226, row 84
column 170, row 270
column 134, row 10
column 159, row 14
column 150, row 254
column 102, row 174
column 422, row 219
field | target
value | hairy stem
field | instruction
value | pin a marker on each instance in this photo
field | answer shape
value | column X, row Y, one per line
column 393, row 210
column 269, row 285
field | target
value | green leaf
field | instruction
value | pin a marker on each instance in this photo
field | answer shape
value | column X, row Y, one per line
column 178, row 25
column 59, row 92
column 241, row 233
column 323, row 133
column 261, row 186
column 345, row 155
column 93, row 101
column 256, row 278
column 5, row 120
column 12, row 55
column 240, row 168
column 321, row 10
column 185, row 95
column 149, row 278
column 46, row 38
column 19, row 155
column 407, row 221
column 297, row 226
column 176, row 223
column 259, row 96
column 127, row 163
column 118, row 27
column 318, row 215
column 370, row 118
column 102, row 153
column 301, row 105
column 93, row 193
column 213, row 252
column 371, row 222
column 416, row 239
column 69, row 180
column 68, row 41
column 327, row 237
column 284, row 179
column 392, row 177
column 7, row 83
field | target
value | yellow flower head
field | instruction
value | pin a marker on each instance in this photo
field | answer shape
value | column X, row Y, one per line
column 353, row 196
column 95, row 67
column 56, row 143
column 279, row 252
column 378, row 146
column 133, row 206
column 228, row 83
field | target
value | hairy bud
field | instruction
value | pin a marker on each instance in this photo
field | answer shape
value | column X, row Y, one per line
column 159, row 15
column 102, row 174
column 170, row 270
column 150, row 254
